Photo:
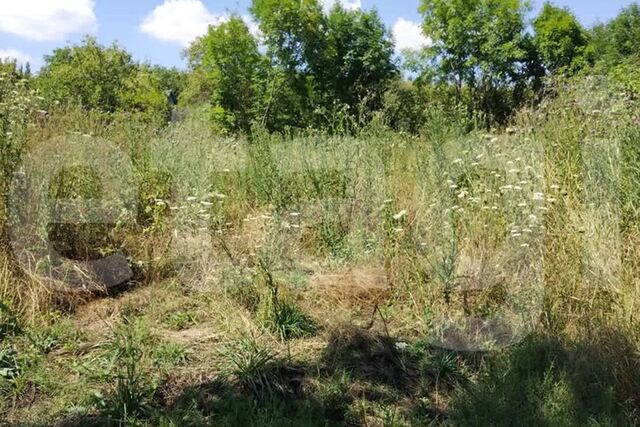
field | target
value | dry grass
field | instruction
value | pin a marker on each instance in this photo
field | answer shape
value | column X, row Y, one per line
column 396, row 247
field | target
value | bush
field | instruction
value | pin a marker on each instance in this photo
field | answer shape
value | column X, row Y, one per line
column 404, row 107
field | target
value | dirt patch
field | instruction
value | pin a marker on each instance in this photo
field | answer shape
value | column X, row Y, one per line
column 356, row 285
column 199, row 335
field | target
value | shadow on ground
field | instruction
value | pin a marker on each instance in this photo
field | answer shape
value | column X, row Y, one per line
column 542, row 381
column 546, row 382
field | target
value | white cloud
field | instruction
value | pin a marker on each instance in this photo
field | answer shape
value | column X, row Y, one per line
column 47, row 20
column 253, row 26
column 13, row 54
column 347, row 4
column 408, row 35
column 179, row 21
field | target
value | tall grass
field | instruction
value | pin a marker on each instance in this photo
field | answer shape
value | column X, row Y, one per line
column 468, row 240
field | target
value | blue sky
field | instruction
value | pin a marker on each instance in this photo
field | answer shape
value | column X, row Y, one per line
column 156, row 31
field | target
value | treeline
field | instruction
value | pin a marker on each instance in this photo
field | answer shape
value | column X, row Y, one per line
column 338, row 70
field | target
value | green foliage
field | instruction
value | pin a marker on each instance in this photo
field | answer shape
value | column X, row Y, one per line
column 357, row 59
column 145, row 91
column 620, row 37
column 9, row 70
column 18, row 105
column 404, row 107
column 626, row 73
column 8, row 321
column 100, row 78
column 277, row 313
column 9, row 365
column 88, row 74
column 480, row 46
column 543, row 382
column 131, row 387
column 615, row 47
column 180, row 320
column 172, row 81
column 626, row 30
column 230, row 63
column 561, row 41
column 292, row 31
column 284, row 318
column 170, row 355
column 315, row 65
column 253, row 368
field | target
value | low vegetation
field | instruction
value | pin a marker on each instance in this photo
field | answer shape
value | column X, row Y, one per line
column 461, row 249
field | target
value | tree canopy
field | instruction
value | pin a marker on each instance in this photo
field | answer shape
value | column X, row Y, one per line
column 561, row 40
column 310, row 67
column 229, row 61
column 479, row 44
column 100, row 78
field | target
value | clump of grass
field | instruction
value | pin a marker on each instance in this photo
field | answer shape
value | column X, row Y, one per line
column 180, row 320
column 254, row 368
column 132, row 390
column 169, row 355
column 284, row 318
column 279, row 315
column 8, row 321
column 334, row 395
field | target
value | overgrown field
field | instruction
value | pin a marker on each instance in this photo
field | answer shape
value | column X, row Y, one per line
column 379, row 279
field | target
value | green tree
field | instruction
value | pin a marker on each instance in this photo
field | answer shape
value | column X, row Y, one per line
column 321, row 62
column 625, row 31
column 100, row 78
column 562, row 42
column 292, row 31
column 88, row 74
column 616, row 48
column 227, row 61
column 11, row 72
column 293, row 34
column 619, row 38
column 144, row 90
column 357, row 60
column 480, row 46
